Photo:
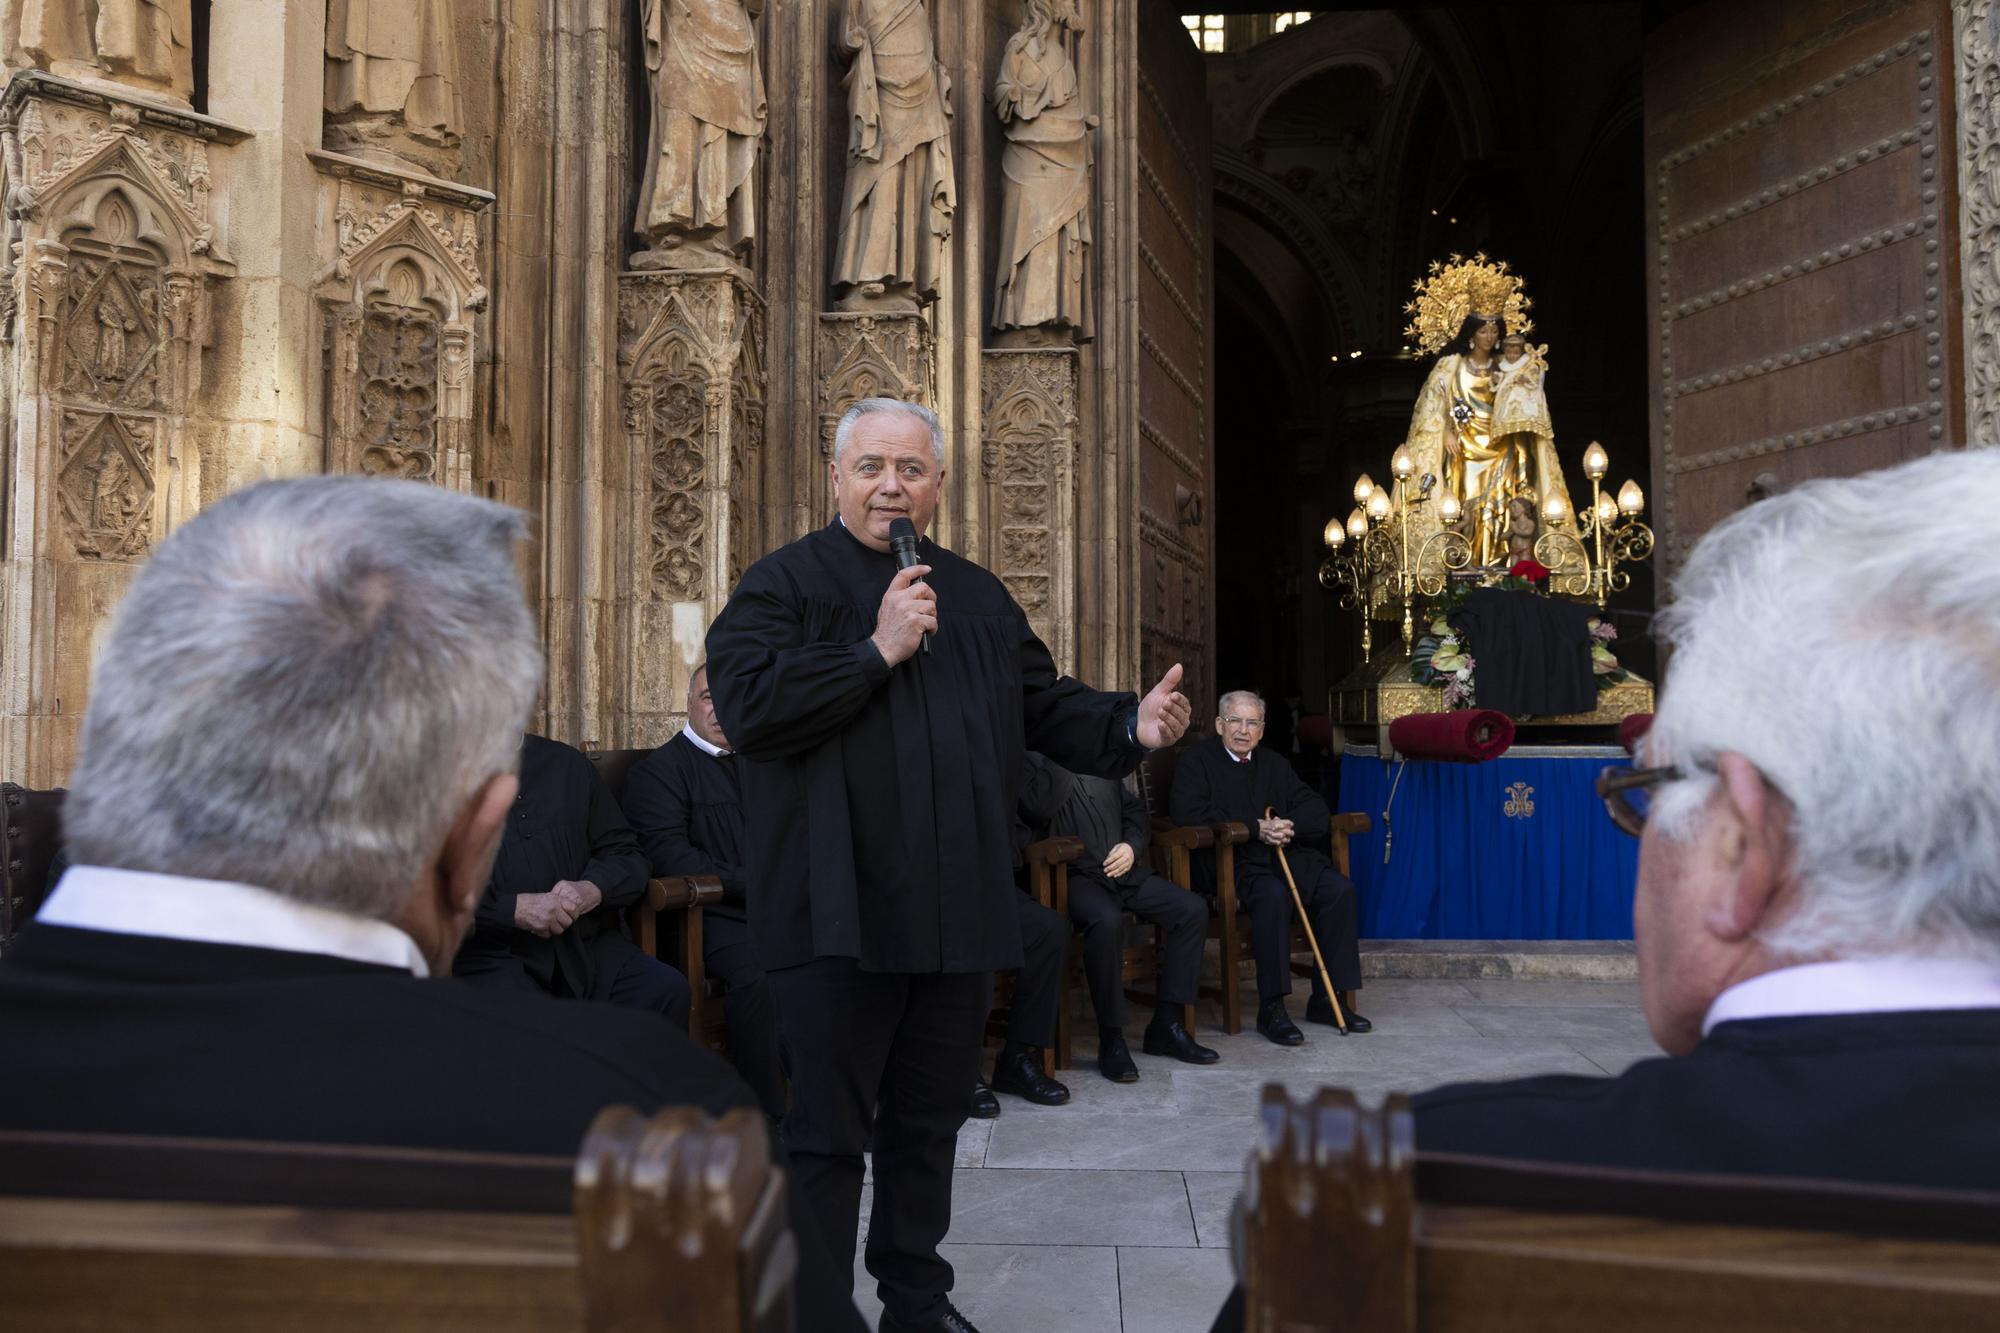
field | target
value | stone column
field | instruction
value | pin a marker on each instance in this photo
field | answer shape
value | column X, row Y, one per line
column 1976, row 34
column 691, row 369
column 1028, row 460
column 109, row 278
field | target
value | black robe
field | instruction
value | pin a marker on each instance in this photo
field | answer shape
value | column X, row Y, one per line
column 1209, row 787
column 880, row 802
column 564, row 825
column 687, row 809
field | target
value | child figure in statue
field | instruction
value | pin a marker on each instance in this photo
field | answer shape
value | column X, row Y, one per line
column 1523, row 526
column 1518, row 401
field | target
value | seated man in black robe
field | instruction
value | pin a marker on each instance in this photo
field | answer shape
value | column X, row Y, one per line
column 685, row 803
column 1229, row 778
column 297, row 762
column 1109, row 880
column 568, row 865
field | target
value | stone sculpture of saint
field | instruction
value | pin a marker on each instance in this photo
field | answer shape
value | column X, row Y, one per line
column 1043, row 279
column 144, row 44
column 896, row 210
column 392, row 81
column 697, row 203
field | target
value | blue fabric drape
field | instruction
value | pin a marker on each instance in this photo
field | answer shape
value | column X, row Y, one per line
column 1463, row 868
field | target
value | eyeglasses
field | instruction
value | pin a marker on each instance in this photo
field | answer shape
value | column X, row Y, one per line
column 1627, row 794
column 1252, row 723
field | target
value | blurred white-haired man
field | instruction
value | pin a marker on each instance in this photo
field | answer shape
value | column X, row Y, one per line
column 298, row 757
column 1818, row 908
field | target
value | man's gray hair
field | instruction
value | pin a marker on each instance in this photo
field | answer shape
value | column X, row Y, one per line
column 1844, row 637
column 895, row 406
column 304, row 686
column 1223, row 705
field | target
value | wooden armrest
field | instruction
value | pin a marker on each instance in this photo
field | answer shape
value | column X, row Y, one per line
column 674, row 892
column 1228, row 835
column 1351, row 823
column 1053, row 851
column 1193, row 837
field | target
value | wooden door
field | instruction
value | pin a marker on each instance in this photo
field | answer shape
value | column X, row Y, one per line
column 1802, row 221
column 1173, row 284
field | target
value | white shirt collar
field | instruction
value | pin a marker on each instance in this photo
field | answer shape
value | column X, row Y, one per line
column 1860, row 986
column 687, row 730
column 213, row 911
column 1233, row 756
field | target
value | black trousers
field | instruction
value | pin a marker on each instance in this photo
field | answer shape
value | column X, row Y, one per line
column 899, row 1050
column 1329, row 900
column 1098, row 908
column 1031, row 1019
column 626, row 975
column 747, row 1004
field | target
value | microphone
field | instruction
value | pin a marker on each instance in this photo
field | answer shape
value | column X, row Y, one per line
column 903, row 545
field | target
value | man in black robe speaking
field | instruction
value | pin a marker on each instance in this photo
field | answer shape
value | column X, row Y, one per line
column 880, row 786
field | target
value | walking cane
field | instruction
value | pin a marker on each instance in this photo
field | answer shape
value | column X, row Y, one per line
column 1339, row 1018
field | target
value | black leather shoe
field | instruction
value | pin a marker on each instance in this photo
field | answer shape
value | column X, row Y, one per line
column 951, row 1321
column 985, row 1106
column 1022, row 1075
column 1275, row 1023
column 1174, row 1040
column 1319, row 1011
column 1114, row 1058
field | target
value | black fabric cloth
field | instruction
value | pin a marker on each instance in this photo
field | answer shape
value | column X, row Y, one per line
column 1211, row 787
column 1889, row 1098
column 685, row 805
column 124, row 1034
column 880, row 803
column 625, row 975
column 1097, row 810
column 1533, row 652
column 564, row 825
column 1031, row 1015
column 915, row 1041
column 1097, row 906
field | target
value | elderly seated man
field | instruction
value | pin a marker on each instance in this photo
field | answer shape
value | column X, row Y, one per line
column 1230, row 778
column 297, row 763
column 1109, row 880
column 685, row 800
column 567, row 865
column 1818, row 909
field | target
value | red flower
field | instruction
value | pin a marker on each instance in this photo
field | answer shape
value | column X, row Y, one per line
column 1532, row 570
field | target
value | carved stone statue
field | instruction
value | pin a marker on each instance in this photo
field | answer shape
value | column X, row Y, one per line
column 697, row 204
column 896, row 212
column 1043, row 278
column 392, row 82
column 144, row 44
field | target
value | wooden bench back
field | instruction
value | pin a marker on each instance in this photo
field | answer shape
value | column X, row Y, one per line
column 1345, row 1226
column 30, row 834
column 673, row 1223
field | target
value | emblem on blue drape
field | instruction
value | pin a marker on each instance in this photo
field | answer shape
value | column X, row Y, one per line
column 1520, row 802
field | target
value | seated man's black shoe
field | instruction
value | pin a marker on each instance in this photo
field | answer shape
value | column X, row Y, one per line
column 1174, row 1040
column 1319, row 1011
column 985, row 1106
column 1114, row 1057
column 1275, row 1023
column 951, row 1321
column 1020, row 1072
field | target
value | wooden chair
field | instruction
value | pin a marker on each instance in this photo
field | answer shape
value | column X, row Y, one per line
column 1047, row 869
column 1174, row 850
column 30, row 834
column 680, row 898
column 674, row 1223
column 1345, row 1226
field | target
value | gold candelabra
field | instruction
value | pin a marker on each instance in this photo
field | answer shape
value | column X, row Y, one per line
column 1371, row 564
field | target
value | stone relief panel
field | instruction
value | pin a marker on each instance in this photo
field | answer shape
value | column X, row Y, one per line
column 1028, row 460
column 1978, row 74
column 866, row 356
column 104, row 487
column 400, row 290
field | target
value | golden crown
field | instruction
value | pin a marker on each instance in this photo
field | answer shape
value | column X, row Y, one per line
column 1458, row 289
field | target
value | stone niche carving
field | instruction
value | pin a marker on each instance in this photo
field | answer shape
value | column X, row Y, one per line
column 691, row 369
column 867, row 356
column 400, row 288
column 106, row 283
column 1028, row 460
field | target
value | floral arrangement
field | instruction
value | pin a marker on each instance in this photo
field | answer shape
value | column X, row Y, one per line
column 1443, row 658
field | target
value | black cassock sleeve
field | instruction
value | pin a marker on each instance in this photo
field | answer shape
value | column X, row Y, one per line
column 661, row 807
column 1082, row 729
column 496, row 909
column 775, row 694
column 1194, row 800
column 617, row 867
column 1301, row 804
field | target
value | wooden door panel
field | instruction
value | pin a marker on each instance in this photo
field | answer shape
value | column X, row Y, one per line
column 1800, row 186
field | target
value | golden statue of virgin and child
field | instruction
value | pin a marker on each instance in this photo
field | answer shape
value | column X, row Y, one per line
column 1481, row 428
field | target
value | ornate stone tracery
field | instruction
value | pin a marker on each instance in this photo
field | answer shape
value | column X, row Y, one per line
column 1028, row 459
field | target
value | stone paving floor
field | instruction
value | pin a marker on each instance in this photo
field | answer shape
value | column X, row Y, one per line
column 1109, row 1215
